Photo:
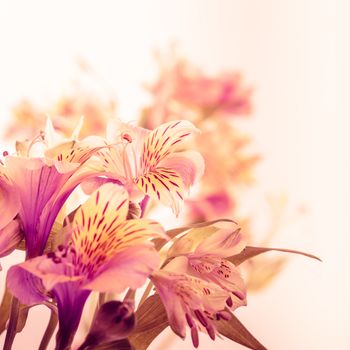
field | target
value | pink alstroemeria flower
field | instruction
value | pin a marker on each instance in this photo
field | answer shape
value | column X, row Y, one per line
column 206, row 250
column 105, row 253
column 190, row 300
column 198, row 284
column 220, row 204
column 42, row 184
column 184, row 90
column 150, row 163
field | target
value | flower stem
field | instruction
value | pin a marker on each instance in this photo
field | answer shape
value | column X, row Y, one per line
column 12, row 327
column 146, row 293
column 5, row 309
column 49, row 331
column 130, row 294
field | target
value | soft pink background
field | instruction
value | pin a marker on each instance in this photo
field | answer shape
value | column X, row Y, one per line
column 295, row 53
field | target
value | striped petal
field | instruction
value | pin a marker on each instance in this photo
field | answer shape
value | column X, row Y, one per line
column 164, row 140
column 224, row 274
column 96, row 221
column 101, row 228
column 67, row 155
column 164, row 185
column 189, row 299
column 188, row 164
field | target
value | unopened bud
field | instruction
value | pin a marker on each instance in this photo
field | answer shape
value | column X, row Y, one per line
column 115, row 320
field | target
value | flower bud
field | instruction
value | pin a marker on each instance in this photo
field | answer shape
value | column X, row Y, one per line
column 114, row 321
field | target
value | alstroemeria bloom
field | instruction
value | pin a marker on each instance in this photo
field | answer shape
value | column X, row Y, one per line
column 183, row 89
column 232, row 161
column 96, row 107
column 150, row 163
column 206, row 248
column 43, row 183
column 190, row 300
column 220, row 204
column 106, row 253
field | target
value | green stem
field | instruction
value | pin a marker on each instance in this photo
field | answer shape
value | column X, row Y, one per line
column 12, row 327
column 50, row 329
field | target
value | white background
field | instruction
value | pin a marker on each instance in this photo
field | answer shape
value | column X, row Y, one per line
column 296, row 55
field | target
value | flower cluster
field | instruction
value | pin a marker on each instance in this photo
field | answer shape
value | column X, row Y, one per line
column 78, row 207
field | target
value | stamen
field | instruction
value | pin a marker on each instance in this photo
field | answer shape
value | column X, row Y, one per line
column 201, row 318
column 127, row 137
column 224, row 315
column 238, row 295
column 56, row 260
column 229, row 302
column 194, row 336
column 189, row 320
column 211, row 332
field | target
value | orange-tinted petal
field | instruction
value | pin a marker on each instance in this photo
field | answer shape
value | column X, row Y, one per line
column 164, row 140
column 164, row 185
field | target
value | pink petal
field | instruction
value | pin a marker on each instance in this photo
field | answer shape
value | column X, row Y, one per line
column 164, row 185
column 25, row 286
column 188, row 164
column 10, row 236
column 92, row 184
column 9, row 199
column 225, row 242
column 164, row 140
column 118, row 131
column 46, row 269
column 224, row 274
column 127, row 269
column 103, row 212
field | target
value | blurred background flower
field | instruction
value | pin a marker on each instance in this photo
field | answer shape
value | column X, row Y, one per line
column 293, row 53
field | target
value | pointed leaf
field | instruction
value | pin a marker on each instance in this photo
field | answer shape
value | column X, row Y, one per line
column 263, row 271
column 151, row 320
column 235, row 330
column 158, row 243
column 251, row 252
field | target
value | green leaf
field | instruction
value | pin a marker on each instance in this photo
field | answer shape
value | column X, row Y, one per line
column 251, row 252
column 236, row 331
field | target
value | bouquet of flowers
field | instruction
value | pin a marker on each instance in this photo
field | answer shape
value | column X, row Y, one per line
column 100, row 242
